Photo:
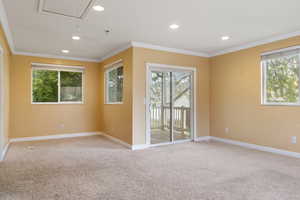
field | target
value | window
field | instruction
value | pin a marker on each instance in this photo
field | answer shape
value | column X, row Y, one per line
column 281, row 73
column 57, row 84
column 114, row 84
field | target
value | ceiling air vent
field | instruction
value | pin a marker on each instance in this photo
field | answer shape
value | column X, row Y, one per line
column 77, row 9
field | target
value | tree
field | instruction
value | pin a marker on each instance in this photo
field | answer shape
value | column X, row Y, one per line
column 44, row 86
column 283, row 79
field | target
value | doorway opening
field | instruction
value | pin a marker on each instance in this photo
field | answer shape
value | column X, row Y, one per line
column 170, row 104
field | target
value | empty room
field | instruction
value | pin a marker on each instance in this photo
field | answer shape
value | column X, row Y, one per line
column 149, row 100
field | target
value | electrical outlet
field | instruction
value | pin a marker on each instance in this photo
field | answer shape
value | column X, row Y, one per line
column 294, row 139
column 226, row 130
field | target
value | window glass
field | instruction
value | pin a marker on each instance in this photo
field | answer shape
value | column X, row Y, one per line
column 282, row 79
column 114, row 83
column 70, row 86
column 44, row 86
column 55, row 85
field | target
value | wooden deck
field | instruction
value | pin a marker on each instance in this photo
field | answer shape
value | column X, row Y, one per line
column 162, row 136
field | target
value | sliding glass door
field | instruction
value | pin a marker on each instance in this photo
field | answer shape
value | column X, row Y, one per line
column 170, row 105
column 182, row 105
column 160, row 107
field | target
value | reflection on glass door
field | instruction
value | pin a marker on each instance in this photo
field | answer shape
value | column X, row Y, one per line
column 160, row 107
column 182, row 99
column 170, row 106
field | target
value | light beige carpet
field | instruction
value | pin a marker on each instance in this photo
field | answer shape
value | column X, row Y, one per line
column 96, row 168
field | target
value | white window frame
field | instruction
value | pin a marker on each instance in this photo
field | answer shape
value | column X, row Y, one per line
column 58, row 68
column 264, row 80
column 108, row 68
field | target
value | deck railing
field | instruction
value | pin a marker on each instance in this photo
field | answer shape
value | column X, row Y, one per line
column 160, row 118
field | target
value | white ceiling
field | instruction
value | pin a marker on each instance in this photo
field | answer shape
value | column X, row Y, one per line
column 202, row 23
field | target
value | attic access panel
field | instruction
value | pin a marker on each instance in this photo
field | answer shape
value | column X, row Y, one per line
column 77, row 9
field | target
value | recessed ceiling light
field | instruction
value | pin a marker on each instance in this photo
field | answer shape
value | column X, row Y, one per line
column 98, row 8
column 65, row 51
column 174, row 26
column 225, row 37
column 75, row 37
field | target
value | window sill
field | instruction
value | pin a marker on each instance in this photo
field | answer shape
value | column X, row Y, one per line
column 279, row 104
column 58, row 103
column 115, row 103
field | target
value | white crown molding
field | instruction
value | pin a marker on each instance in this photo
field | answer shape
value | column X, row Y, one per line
column 168, row 49
column 5, row 26
column 55, row 57
column 115, row 52
column 256, row 43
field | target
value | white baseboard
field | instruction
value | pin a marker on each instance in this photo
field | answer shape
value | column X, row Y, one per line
column 145, row 146
column 72, row 135
column 202, row 138
column 139, row 146
column 257, row 147
column 3, row 153
column 132, row 147
column 52, row 137
column 116, row 140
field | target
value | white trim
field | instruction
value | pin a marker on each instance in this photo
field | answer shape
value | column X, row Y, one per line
column 257, row 147
column 280, row 50
column 255, row 43
column 202, row 138
column 33, row 64
column 115, row 140
column 54, row 137
column 51, row 13
column 4, row 152
column 174, row 67
column 168, row 49
column 55, row 56
column 115, row 52
column 57, row 103
column 5, row 26
column 139, row 147
column 125, row 144
column 2, row 100
column 113, row 63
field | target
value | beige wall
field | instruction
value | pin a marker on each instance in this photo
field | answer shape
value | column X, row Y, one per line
column 29, row 120
column 235, row 101
column 228, row 96
column 7, row 58
column 117, row 118
column 142, row 56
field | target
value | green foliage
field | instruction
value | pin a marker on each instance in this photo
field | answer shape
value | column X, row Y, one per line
column 70, row 79
column 71, row 86
column 115, row 84
column 44, row 86
column 283, row 79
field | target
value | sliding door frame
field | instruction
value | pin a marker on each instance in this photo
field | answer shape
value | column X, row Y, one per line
column 2, row 99
column 171, row 68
